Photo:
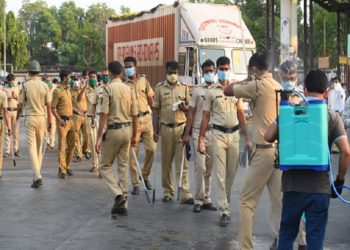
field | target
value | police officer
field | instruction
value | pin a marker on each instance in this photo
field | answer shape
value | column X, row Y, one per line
column 3, row 114
column 12, row 93
column 260, row 88
column 202, row 163
column 169, row 109
column 144, row 97
column 79, row 116
column 34, row 96
column 62, row 109
column 118, row 111
column 51, row 135
column 227, row 117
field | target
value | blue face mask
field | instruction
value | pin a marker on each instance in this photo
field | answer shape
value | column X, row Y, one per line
column 223, row 75
column 288, row 85
column 209, row 77
column 130, row 71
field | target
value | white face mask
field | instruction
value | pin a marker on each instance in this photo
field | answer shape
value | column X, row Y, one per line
column 288, row 85
column 172, row 78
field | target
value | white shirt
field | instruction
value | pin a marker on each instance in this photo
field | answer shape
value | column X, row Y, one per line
column 336, row 98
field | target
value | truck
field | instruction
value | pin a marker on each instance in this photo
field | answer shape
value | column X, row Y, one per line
column 189, row 33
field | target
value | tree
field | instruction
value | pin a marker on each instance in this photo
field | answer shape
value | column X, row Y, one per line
column 124, row 9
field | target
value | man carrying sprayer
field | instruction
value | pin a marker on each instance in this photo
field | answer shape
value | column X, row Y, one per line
column 34, row 97
column 260, row 88
column 308, row 191
column 119, row 113
column 226, row 115
column 202, row 163
column 144, row 97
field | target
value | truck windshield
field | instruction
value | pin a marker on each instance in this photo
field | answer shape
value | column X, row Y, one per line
column 212, row 54
column 240, row 59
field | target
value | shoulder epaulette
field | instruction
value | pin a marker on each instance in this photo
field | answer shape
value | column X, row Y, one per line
column 142, row 75
column 160, row 84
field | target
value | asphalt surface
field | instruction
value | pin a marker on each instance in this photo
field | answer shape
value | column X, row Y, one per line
column 75, row 214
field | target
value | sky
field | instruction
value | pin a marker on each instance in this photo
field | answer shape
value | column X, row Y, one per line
column 135, row 5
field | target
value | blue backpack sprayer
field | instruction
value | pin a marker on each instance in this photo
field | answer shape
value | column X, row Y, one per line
column 306, row 123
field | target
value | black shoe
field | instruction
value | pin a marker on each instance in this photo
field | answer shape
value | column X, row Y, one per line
column 166, row 199
column 77, row 159
column 189, row 201
column 274, row 245
column 17, row 154
column 197, row 208
column 122, row 211
column 209, row 206
column 87, row 155
column 37, row 183
column 5, row 155
column 148, row 185
column 69, row 172
column 62, row 175
column 223, row 220
column 93, row 169
column 302, row 247
column 119, row 202
column 135, row 191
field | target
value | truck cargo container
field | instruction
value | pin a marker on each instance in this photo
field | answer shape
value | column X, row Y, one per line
column 189, row 33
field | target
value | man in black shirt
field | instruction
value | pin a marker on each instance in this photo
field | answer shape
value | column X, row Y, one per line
column 308, row 191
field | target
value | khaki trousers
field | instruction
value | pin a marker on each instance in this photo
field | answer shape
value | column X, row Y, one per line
column 202, row 168
column 116, row 144
column 261, row 173
column 14, row 126
column 66, row 141
column 92, row 132
column 145, row 132
column 171, row 146
column 225, row 160
column 52, row 134
column 1, row 133
column 80, row 122
column 36, row 127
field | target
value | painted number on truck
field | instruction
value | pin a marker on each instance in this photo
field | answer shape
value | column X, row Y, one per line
column 210, row 40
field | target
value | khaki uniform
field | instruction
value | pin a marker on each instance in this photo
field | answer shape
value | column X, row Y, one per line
column 14, row 125
column 34, row 97
column 119, row 103
column 91, row 128
column 80, row 122
column 62, row 101
column 3, row 104
column 51, row 137
column 171, row 131
column 261, row 172
column 202, row 163
column 225, row 146
column 142, row 89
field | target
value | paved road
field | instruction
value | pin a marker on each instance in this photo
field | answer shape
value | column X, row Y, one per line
column 74, row 214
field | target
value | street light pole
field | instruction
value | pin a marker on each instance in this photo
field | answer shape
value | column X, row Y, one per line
column 4, row 37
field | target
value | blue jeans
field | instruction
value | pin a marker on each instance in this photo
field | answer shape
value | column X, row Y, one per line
column 315, row 207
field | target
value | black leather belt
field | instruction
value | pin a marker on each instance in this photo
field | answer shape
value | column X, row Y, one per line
column 141, row 114
column 226, row 130
column 90, row 116
column 76, row 113
column 12, row 109
column 119, row 125
column 66, row 118
column 1, row 118
column 265, row 146
column 173, row 125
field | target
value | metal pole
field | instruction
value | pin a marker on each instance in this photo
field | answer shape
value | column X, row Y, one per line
column 270, row 34
column 338, row 42
column 311, row 35
column 306, row 61
column 4, row 38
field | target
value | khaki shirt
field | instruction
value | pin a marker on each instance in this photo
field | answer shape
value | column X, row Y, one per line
column 34, row 96
column 141, row 89
column 62, row 101
column 98, row 95
column 12, row 103
column 165, row 96
column 82, row 105
column 3, row 102
column 89, row 94
column 118, row 102
column 262, row 93
column 223, row 109
column 197, row 101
